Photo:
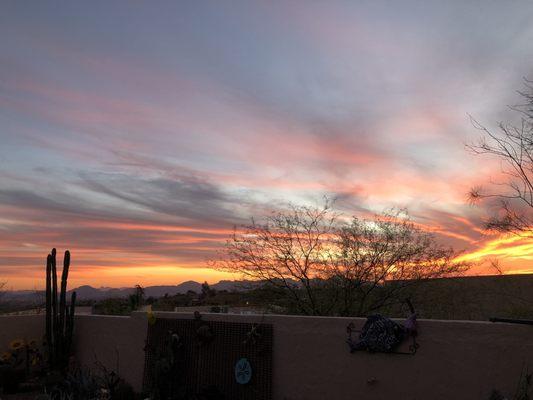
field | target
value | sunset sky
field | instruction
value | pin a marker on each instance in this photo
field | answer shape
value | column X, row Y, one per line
column 137, row 134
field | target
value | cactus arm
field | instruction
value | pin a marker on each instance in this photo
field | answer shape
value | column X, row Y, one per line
column 49, row 304
column 59, row 317
column 70, row 324
column 62, row 302
column 55, row 327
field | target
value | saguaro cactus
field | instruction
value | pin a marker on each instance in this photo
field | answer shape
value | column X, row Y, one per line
column 59, row 323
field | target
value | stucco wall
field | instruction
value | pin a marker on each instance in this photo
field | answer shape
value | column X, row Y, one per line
column 115, row 342
column 27, row 327
column 456, row 359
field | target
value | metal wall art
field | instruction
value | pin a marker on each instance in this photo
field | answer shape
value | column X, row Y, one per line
column 191, row 357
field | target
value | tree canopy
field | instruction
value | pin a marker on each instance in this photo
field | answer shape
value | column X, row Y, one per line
column 326, row 264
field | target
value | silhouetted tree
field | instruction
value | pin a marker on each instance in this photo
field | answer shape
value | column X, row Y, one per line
column 376, row 260
column 136, row 299
column 324, row 265
column 290, row 251
column 207, row 291
column 39, row 300
column 2, row 292
column 512, row 144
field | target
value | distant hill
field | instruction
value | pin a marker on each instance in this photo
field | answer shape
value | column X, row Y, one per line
column 470, row 297
column 91, row 293
column 476, row 297
column 184, row 287
column 87, row 292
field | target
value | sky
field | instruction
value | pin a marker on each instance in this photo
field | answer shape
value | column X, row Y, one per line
column 138, row 134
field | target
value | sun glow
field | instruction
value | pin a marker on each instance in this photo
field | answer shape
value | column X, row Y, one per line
column 515, row 253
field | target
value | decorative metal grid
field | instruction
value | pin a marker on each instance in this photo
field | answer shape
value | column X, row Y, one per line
column 207, row 367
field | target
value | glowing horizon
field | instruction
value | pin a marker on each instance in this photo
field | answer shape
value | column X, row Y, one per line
column 138, row 137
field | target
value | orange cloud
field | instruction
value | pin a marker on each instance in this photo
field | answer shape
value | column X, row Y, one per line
column 514, row 252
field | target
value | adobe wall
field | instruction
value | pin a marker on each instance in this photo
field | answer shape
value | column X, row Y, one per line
column 456, row 359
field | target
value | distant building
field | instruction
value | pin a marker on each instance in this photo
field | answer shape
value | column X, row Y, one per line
column 245, row 310
column 83, row 310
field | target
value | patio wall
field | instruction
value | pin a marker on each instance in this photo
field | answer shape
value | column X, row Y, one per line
column 456, row 359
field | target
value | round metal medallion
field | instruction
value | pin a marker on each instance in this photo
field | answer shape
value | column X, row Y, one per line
column 243, row 371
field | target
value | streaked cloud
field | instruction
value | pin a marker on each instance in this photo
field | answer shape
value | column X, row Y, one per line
column 138, row 137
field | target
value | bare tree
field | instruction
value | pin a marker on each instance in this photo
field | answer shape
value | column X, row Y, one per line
column 2, row 295
column 2, row 284
column 288, row 251
column 39, row 300
column 207, row 291
column 136, row 299
column 495, row 264
column 326, row 266
column 379, row 259
column 512, row 144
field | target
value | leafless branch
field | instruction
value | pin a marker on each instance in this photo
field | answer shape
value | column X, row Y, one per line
column 328, row 266
column 512, row 144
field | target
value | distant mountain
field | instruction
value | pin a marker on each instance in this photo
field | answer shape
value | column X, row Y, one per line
column 90, row 293
column 184, row 287
column 236, row 285
column 17, row 295
column 87, row 292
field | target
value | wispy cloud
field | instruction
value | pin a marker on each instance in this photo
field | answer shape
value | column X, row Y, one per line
column 138, row 138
